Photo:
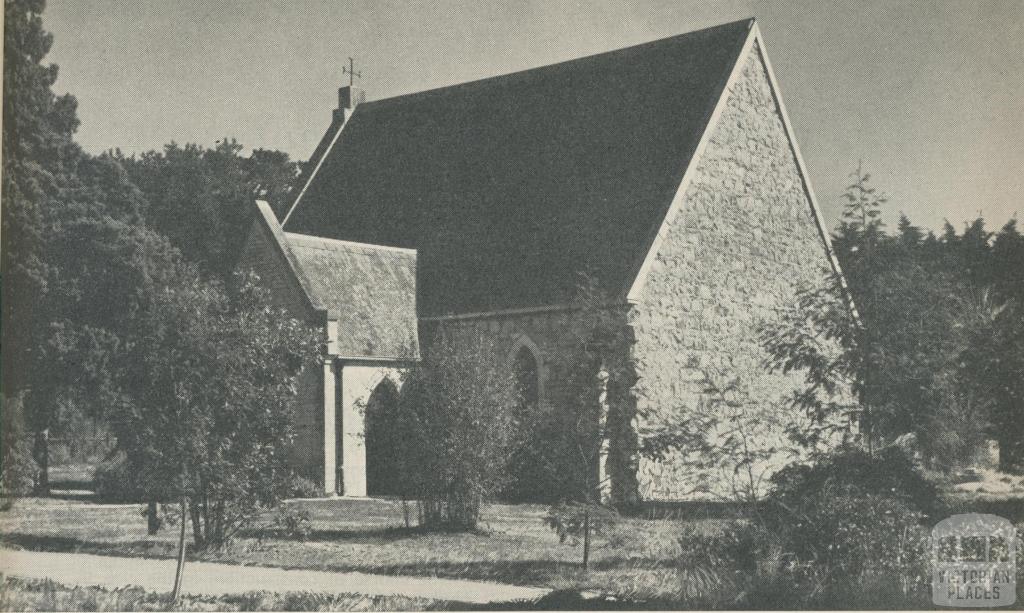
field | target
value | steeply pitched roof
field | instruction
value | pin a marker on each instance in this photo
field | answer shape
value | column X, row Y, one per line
column 371, row 290
column 510, row 186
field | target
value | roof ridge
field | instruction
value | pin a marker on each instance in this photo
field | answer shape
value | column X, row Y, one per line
column 750, row 21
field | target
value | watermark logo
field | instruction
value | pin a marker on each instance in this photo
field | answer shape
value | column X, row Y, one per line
column 974, row 561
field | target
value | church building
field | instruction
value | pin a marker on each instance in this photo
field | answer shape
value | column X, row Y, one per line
column 669, row 171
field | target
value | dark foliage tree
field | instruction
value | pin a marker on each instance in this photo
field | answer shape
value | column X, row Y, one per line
column 201, row 199
column 931, row 352
column 204, row 405
column 993, row 363
column 40, row 170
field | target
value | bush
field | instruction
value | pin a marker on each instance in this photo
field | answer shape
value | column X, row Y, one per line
column 844, row 536
column 737, row 545
column 455, row 418
column 716, row 566
column 303, row 487
column 116, row 481
column 853, row 472
column 849, row 523
column 291, row 523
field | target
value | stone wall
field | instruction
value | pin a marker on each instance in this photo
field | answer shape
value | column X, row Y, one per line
column 262, row 256
column 741, row 245
column 552, row 335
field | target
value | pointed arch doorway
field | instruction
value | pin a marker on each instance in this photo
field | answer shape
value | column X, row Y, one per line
column 383, row 470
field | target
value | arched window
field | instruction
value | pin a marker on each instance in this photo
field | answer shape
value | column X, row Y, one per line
column 528, row 466
column 527, row 375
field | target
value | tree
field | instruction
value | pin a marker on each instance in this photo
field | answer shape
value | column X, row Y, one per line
column 1008, row 263
column 735, row 443
column 910, row 235
column 993, row 363
column 818, row 336
column 201, row 199
column 590, row 447
column 931, row 352
column 275, row 175
column 17, row 466
column 455, row 418
column 861, row 225
column 37, row 146
column 204, row 404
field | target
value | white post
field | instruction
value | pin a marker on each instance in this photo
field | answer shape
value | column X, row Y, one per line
column 330, row 451
column 356, row 384
column 603, row 479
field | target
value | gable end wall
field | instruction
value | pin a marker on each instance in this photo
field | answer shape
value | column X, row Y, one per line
column 742, row 244
column 262, row 256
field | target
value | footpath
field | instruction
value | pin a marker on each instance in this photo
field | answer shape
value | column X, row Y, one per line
column 211, row 579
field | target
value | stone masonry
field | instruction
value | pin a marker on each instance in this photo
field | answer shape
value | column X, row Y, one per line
column 548, row 334
column 742, row 244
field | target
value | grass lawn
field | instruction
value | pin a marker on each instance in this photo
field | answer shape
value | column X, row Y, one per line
column 633, row 560
column 25, row 595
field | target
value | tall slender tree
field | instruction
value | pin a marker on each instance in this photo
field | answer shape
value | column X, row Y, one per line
column 38, row 151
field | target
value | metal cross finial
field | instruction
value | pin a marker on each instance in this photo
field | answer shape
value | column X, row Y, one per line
column 350, row 71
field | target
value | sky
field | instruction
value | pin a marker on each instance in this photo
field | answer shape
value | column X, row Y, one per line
column 928, row 93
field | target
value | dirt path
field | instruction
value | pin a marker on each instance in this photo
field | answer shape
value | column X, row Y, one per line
column 207, row 578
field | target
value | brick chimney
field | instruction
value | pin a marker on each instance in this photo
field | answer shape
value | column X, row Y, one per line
column 348, row 97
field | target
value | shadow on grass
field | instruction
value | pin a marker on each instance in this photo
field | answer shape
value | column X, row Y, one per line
column 72, row 484
column 385, row 534
column 75, row 495
column 67, row 544
column 572, row 600
column 519, row 572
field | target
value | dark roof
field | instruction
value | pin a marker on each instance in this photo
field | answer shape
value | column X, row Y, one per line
column 370, row 289
column 510, row 186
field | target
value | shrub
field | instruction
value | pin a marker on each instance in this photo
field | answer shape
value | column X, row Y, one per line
column 303, row 487
column 455, row 417
column 291, row 523
column 853, row 536
column 576, row 522
column 716, row 565
column 852, row 471
column 116, row 481
column 737, row 544
column 851, row 522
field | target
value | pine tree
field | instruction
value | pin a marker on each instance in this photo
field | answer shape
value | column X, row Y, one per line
column 1008, row 262
column 38, row 151
column 861, row 226
column 910, row 235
